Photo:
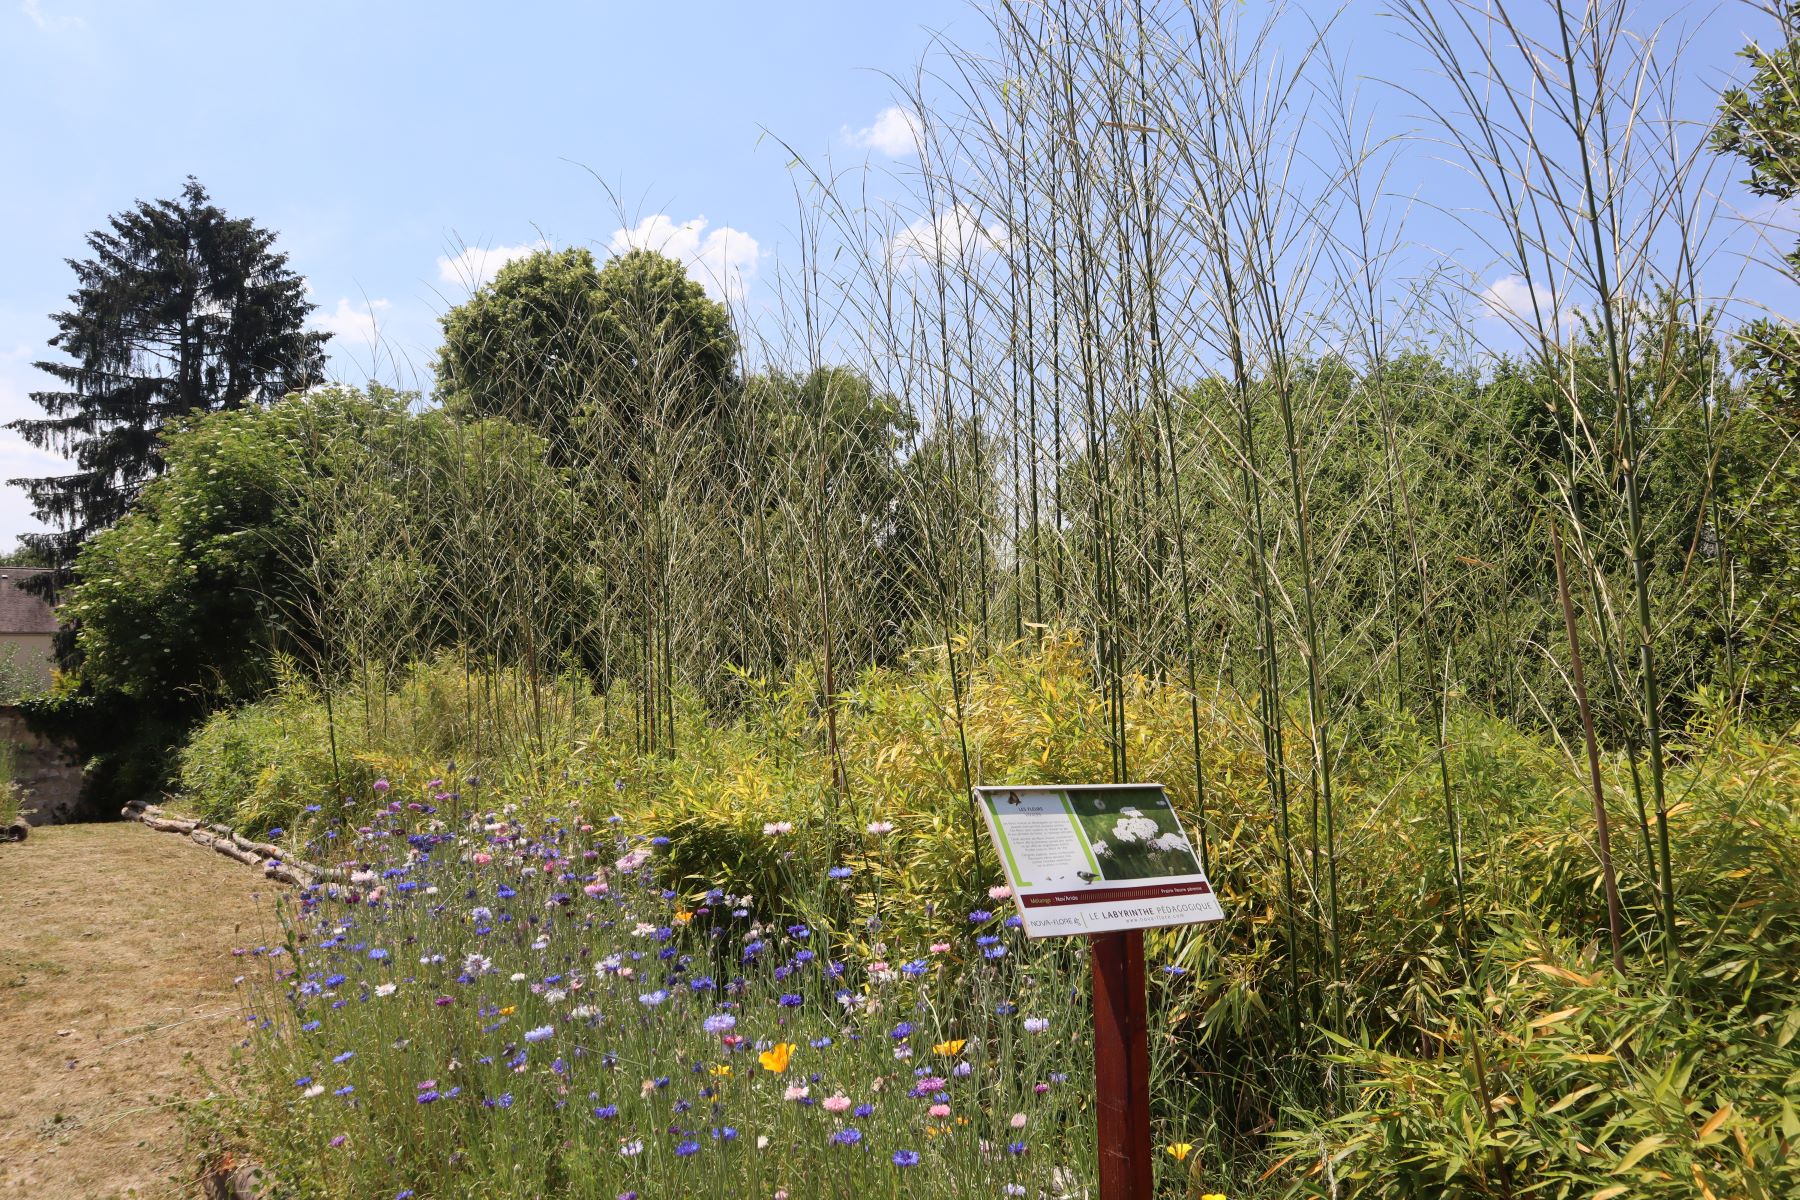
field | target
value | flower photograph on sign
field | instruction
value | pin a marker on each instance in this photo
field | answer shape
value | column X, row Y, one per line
column 1133, row 833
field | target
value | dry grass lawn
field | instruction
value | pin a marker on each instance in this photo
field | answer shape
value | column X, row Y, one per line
column 115, row 987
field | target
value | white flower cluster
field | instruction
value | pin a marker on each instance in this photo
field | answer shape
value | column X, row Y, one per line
column 1135, row 828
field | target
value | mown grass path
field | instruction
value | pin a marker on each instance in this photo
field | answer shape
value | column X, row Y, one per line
column 115, row 988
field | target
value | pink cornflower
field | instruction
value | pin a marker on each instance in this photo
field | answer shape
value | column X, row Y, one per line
column 835, row 1104
column 1018, row 1120
column 940, row 947
column 483, row 858
column 939, row 1110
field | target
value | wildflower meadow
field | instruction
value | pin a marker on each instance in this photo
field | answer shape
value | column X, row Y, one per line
column 510, row 1006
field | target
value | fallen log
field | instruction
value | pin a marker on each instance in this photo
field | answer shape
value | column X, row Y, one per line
column 230, row 849
column 169, row 824
column 264, row 849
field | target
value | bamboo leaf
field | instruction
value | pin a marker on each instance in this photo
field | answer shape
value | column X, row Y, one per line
column 1713, row 1122
column 1637, row 1153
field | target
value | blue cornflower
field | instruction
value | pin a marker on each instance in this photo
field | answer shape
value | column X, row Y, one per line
column 345, row 1057
column 687, row 1148
column 906, row 1158
column 653, row 998
column 540, row 1033
column 863, row 1110
column 901, row 1032
column 310, row 1027
column 345, row 1090
column 607, row 1112
column 840, row 873
column 789, row 1000
column 719, row 1023
column 725, row 1133
column 378, row 954
column 980, row 915
column 848, row 1136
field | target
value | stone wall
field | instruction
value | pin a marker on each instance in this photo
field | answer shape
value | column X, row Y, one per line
column 48, row 775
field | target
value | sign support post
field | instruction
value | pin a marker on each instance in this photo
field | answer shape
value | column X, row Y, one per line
column 1121, row 1065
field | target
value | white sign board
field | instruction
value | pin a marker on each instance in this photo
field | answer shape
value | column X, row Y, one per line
column 1090, row 858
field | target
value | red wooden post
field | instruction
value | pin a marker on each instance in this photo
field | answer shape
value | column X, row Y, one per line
column 1121, row 1065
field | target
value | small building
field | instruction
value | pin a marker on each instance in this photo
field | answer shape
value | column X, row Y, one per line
column 27, row 635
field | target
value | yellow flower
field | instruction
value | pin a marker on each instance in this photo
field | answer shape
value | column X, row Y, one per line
column 1179, row 1151
column 509, row 1010
column 776, row 1058
column 683, row 917
column 951, row 1048
column 722, row 1069
column 1213, row 1196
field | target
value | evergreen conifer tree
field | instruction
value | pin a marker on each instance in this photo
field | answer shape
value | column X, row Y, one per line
column 181, row 309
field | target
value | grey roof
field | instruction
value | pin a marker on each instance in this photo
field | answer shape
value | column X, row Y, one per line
column 20, row 610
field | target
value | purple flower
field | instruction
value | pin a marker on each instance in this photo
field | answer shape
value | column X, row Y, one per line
column 789, row 1000
column 719, row 1023
column 840, row 873
column 540, row 1033
column 848, row 1136
column 906, row 1158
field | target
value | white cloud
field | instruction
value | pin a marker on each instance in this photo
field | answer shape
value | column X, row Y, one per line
column 34, row 11
column 956, row 233
column 478, row 264
column 722, row 261
column 350, row 324
column 894, row 133
column 1513, row 300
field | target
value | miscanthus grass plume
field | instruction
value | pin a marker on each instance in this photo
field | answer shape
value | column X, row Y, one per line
column 491, row 1009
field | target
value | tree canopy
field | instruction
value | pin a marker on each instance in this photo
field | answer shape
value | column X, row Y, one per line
column 181, row 309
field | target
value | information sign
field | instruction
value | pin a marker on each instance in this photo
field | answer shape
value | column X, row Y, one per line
column 1093, row 858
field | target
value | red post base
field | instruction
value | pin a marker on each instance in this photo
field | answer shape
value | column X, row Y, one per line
column 1122, row 1065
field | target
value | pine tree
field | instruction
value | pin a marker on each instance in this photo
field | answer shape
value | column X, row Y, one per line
column 181, row 309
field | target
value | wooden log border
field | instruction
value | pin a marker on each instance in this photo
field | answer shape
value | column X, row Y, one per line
column 269, row 858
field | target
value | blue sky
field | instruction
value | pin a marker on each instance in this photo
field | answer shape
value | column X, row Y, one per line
column 401, row 147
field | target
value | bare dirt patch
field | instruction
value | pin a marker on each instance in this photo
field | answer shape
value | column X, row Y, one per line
column 115, row 987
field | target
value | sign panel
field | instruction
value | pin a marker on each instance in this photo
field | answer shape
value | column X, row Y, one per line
column 1089, row 858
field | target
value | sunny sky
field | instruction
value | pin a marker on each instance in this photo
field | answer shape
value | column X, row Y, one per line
column 402, row 149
